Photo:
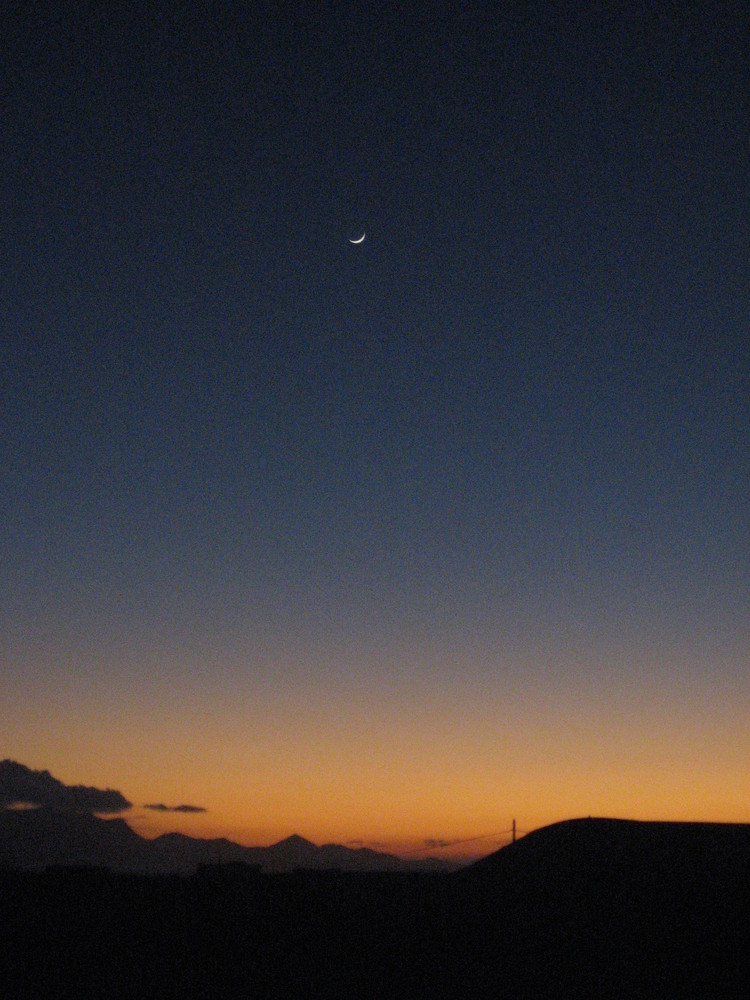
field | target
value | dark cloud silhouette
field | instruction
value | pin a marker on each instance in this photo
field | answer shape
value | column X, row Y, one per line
column 20, row 785
column 160, row 807
column 436, row 842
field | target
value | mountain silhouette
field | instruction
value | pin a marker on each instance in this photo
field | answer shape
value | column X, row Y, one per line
column 610, row 907
column 586, row 851
column 40, row 838
column 583, row 908
column 591, row 866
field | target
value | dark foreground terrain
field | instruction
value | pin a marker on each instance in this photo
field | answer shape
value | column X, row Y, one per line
column 587, row 908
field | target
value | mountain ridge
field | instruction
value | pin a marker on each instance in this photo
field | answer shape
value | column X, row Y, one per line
column 41, row 838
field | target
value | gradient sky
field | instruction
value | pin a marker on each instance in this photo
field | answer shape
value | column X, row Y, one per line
column 396, row 541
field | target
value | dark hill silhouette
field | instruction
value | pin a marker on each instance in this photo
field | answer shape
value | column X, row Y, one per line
column 585, row 908
column 615, row 907
column 38, row 838
column 585, row 858
column 608, row 842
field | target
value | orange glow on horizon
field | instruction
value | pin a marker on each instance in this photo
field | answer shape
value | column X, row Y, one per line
column 398, row 760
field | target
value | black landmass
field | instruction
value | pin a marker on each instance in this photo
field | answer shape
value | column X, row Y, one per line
column 585, row 908
column 41, row 838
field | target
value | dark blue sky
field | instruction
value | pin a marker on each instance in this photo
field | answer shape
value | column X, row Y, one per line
column 520, row 408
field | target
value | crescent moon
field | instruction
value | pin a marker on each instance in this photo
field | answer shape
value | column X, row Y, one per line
column 360, row 240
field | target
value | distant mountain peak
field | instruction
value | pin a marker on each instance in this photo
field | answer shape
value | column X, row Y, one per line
column 294, row 841
column 37, row 838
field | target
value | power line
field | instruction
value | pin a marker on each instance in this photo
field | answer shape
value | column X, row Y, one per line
column 512, row 831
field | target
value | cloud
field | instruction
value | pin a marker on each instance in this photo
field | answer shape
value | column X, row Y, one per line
column 20, row 785
column 160, row 807
column 436, row 842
